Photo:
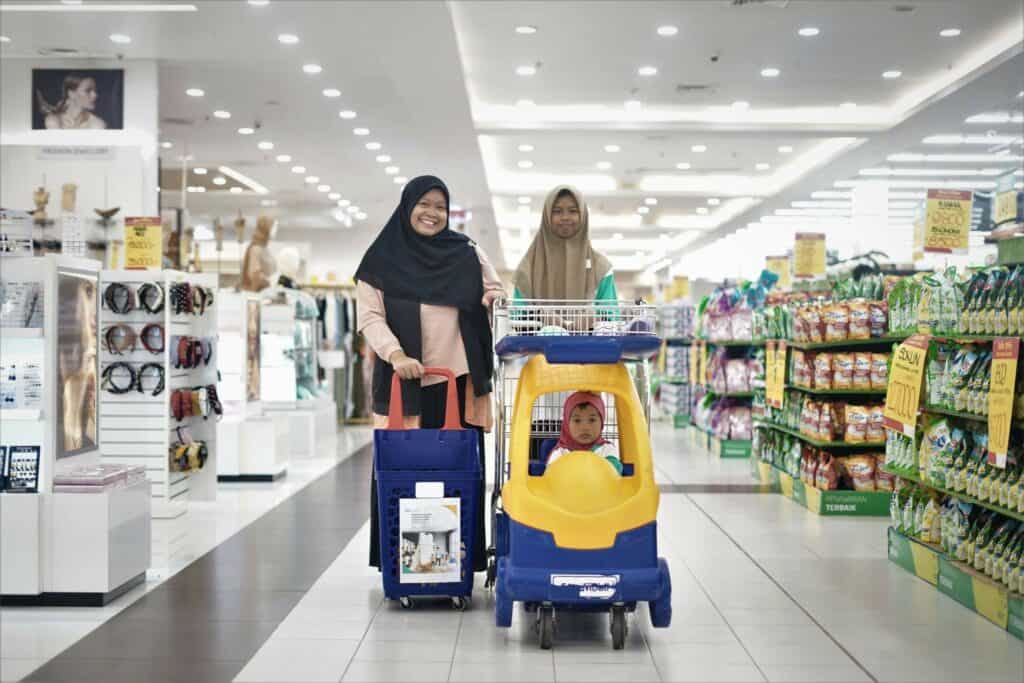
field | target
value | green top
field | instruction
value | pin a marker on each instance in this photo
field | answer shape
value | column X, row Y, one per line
column 605, row 290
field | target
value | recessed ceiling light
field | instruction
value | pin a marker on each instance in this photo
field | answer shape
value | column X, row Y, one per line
column 651, row 201
column 287, row 38
column 770, row 72
column 526, row 70
column 346, row 114
column 119, row 38
column 195, row 92
column 604, row 165
column 949, row 32
column 391, row 170
column 525, row 200
column 848, row 105
column 312, row 179
column 334, row 196
column 525, row 163
column 400, row 180
column 668, row 30
column 360, row 131
column 353, row 209
column 312, row 68
column 199, row 170
column 361, row 216
column 892, row 74
column 683, row 166
column 699, row 148
column 809, row 31
column 526, row 30
column 221, row 114
column 648, row 71
column 298, row 169
column 785, row 149
column 246, row 131
column 323, row 188
column 633, row 105
column 714, row 201
column 383, row 158
column 612, row 149
column 234, row 190
column 525, row 148
column 266, row 145
column 268, row 202
column 741, row 105
column 1020, row 95
column 373, row 146
column 525, row 103
column 763, row 166
column 643, row 210
column 617, row 236
column 4, row 39
column 220, row 180
column 259, row 3
column 167, row 145
column 284, row 158
column 343, row 203
column 331, row 92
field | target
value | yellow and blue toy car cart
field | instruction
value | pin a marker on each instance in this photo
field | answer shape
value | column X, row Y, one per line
column 575, row 535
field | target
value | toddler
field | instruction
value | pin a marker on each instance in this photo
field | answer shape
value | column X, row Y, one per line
column 582, row 423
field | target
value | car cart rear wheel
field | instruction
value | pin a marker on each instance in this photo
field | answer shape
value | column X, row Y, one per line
column 406, row 603
column 618, row 626
column 492, row 574
column 546, row 624
column 460, row 603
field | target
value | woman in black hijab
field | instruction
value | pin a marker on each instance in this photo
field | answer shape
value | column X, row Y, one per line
column 423, row 291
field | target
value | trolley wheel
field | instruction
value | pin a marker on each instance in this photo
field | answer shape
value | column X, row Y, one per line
column 618, row 627
column 492, row 573
column 405, row 602
column 546, row 625
column 460, row 603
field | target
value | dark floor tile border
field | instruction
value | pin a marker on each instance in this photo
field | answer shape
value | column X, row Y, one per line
column 714, row 488
column 215, row 642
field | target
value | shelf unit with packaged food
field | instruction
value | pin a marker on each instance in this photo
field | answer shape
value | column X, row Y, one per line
column 880, row 393
column 677, row 406
column 859, row 445
column 846, row 343
column 832, row 503
column 916, row 478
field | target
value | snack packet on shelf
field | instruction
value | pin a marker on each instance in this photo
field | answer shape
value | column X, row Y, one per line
column 862, row 371
column 856, row 424
column 823, row 371
column 860, row 319
column 879, row 370
column 842, row 371
column 861, row 469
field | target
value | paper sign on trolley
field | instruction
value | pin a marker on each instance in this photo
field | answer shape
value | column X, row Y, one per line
column 429, row 533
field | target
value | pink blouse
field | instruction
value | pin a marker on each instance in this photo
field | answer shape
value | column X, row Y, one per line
column 442, row 341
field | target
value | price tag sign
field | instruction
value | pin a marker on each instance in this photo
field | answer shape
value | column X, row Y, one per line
column 1005, row 352
column 905, row 378
column 918, row 252
column 694, row 363
column 702, row 372
column 947, row 221
column 143, row 243
column 775, row 373
column 1006, row 207
column 681, row 287
column 809, row 254
column 781, row 266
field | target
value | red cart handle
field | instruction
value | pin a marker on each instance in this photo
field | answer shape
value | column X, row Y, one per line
column 451, row 412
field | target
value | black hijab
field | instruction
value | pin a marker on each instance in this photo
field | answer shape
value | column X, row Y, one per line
column 411, row 269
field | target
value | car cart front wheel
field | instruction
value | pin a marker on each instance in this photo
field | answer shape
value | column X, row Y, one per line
column 460, row 603
column 618, row 627
column 406, row 603
column 546, row 624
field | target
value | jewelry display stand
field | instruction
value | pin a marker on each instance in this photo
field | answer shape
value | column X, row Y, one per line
column 62, row 548
column 252, row 445
column 139, row 428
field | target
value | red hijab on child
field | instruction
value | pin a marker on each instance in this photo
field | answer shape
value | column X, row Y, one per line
column 571, row 403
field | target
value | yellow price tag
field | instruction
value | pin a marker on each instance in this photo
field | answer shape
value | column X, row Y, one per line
column 143, row 243
column 905, row 378
column 781, row 266
column 1006, row 207
column 681, row 287
column 947, row 221
column 775, row 374
column 694, row 363
column 1005, row 352
column 918, row 252
column 702, row 371
column 809, row 254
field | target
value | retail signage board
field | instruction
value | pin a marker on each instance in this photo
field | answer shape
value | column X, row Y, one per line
column 781, row 266
column 809, row 255
column 1005, row 207
column 1005, row 353
column 918, row 252
column 947, row 222
column 905, row 378
column 680, row 287
column 694, row 363
column 143, row 242
column 775, row 373
column 74, row 153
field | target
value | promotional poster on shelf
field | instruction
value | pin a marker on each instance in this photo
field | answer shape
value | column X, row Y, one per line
column 809, row 255
column 947, row 221
column 905, row 379
column 1005, row 353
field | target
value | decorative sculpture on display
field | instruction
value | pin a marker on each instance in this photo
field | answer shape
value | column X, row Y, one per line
column 41, row 198
column 258, row 263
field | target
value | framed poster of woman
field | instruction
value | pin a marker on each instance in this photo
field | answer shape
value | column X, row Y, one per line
column 78, row 99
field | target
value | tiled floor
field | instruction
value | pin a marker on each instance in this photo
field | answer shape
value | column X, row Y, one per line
column 763, row 591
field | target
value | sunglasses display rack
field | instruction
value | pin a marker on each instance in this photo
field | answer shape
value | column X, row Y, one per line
column 158, row 358
column 61, row 545
column 252, row 445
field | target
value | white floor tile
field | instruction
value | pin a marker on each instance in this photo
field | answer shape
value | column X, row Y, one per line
column 405, row 651
column 504, row 671
column 389, row 672
column 15, row 669
column 585, row 672
column 305, row 661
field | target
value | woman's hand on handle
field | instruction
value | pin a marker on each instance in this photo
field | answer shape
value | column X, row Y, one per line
column 405, row 367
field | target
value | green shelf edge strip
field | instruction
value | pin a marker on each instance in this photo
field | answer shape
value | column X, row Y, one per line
column 734, row 343
column 815, row 442
column 737, row 394
column 875, row 503
column 960, row 496
column 839, row 392
column 876, row 341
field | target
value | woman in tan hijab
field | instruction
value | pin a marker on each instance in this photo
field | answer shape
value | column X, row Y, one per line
column 561, row 263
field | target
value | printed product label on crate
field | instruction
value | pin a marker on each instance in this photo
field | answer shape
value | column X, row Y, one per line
column 1005, row 352
column 1006, row 206
column 904, row 393
column 431, row 549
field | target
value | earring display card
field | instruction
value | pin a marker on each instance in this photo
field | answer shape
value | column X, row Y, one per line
column 21, row 304
column 21, row 384
column 23, row 469
column 15, row 232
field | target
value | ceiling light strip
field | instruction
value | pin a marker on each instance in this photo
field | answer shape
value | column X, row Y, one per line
column 243, row 179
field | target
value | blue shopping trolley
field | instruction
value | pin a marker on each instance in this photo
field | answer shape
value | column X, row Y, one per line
column 429, row 488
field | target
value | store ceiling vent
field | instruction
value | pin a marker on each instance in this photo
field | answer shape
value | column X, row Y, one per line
column 177, row 121
column 781, row 4
column 692, row 87
column 62, row 52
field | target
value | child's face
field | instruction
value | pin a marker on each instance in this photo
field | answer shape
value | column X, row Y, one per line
column 585, row 424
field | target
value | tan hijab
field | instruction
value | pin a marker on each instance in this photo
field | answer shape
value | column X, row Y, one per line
column 559, row 268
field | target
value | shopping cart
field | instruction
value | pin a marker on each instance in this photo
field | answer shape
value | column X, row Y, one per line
column 606, row 347
column 429, row 487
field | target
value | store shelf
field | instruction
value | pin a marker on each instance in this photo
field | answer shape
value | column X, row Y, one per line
column 972, row 589
column 735, row 343
column 934, row 410
column 675, row 379
column 839, row 392
column 969, row 338
column 961, row 496
column 730, row 448
column 21, row 333
column 732, row 394
column 872, row 445
column 679, row 341
column 836, row 503
column 846, row 343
